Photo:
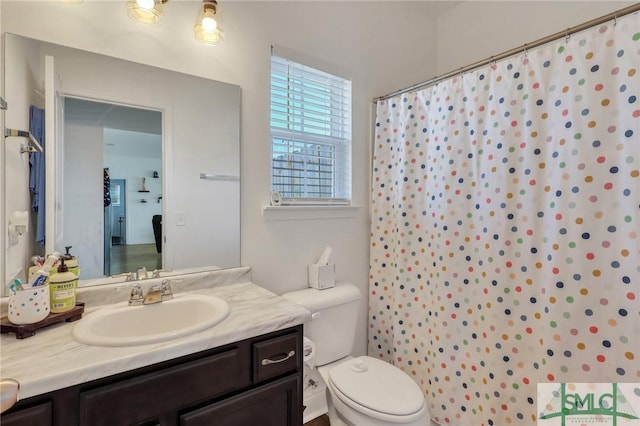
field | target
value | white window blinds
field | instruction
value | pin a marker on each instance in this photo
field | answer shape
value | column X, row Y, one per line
column 310, row 134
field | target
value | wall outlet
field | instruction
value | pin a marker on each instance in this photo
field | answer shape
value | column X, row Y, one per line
column 180, row 219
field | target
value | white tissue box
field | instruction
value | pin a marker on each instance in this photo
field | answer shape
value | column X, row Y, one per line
column 322, row 276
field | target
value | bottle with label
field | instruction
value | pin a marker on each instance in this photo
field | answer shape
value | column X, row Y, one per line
column 62, row 286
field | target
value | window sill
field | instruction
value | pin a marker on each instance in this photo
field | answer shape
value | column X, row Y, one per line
column 309, row 212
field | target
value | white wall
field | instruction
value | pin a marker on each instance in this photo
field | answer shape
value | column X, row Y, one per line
column 3, row 241
column 476, row 30
column 133, row 166
column 381, row 45
column 16, row 167
column 83, row 223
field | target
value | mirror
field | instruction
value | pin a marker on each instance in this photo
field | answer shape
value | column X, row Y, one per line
column 194, row 186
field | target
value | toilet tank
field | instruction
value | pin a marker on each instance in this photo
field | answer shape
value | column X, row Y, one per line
column 334, row 317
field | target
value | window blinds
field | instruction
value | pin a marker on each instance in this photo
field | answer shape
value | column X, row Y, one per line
column 310, row 134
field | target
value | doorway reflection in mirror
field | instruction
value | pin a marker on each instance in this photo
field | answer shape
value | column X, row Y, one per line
column 125, row 142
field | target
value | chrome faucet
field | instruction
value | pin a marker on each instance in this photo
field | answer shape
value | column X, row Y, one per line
column 141, row 273
column 155, row 294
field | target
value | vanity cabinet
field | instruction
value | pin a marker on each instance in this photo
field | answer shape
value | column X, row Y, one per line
column 268, row 405
column 257, row 381
column 38, row 415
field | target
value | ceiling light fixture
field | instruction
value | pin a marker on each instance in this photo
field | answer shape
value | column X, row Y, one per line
column 208, row 27
column 145, row 11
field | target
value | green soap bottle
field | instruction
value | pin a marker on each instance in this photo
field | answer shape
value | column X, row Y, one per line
column 62, row 288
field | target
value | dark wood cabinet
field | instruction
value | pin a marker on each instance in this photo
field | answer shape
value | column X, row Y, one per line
column 38, row 415
column 274, row 404
column 275, row 356
column 143, row 397
column 255, row 381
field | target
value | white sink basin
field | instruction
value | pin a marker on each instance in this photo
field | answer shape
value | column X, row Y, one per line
column 124, row 325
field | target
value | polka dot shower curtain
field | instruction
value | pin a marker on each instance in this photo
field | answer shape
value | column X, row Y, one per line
column 505, row 221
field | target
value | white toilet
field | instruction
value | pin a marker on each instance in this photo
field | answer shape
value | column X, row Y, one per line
column 363, row 391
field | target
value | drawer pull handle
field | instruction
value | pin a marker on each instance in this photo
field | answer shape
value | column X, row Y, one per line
column 268, row 361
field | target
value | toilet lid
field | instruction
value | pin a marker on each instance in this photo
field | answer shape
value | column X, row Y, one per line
column 378, row 386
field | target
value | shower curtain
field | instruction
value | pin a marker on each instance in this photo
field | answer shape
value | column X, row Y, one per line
column 505, row 221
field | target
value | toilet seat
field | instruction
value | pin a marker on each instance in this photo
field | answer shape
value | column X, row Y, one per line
column 377, row 389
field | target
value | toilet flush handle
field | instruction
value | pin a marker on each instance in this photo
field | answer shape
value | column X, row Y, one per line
column 359, row 366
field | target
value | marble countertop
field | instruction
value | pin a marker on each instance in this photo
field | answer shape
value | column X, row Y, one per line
column 52, row 360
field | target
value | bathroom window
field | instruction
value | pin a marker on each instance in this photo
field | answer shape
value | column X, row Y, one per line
column 310, row 134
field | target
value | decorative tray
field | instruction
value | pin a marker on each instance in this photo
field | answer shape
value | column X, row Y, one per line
column 23, row 331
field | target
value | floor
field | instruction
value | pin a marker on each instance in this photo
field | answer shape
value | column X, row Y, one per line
column 129, row 258
column 320, row 421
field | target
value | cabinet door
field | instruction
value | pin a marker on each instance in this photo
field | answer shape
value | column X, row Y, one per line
column 275, row 404
column 149, row 396
column 40, row 415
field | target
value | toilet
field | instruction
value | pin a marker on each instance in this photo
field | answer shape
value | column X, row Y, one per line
column 362, row 391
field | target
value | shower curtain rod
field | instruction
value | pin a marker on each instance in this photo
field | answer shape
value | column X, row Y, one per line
column 566, row 33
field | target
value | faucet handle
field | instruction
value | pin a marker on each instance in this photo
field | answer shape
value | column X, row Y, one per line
column 165, row 288
column 156, row 272
column 136, row 297
column 128, row 276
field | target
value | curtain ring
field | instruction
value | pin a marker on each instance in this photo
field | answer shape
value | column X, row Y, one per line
column 615, row 20
column 525, row 50
column 568, row 36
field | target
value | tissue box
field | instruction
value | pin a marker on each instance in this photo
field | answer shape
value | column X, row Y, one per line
column 322, row 276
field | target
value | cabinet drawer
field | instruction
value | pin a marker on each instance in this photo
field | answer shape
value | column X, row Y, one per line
column 276, row 356
column 146, row 397
column 274, row 404
column 39, row 415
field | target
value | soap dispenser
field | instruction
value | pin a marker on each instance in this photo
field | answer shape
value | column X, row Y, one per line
column 71, row 261
column 62, row 286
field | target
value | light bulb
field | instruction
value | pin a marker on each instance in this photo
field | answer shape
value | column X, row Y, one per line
column 145, row 11
column 209, row 24
column 145, row 4
column 208, row 28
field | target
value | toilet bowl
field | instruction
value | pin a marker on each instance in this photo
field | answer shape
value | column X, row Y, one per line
column 361, row 391
column 365, row 391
